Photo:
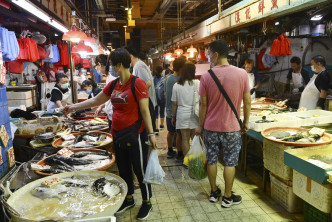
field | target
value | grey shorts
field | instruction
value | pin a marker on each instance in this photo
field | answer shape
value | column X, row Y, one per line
column 230, row 144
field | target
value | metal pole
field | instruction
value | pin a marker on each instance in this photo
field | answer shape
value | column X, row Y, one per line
column 71, row 72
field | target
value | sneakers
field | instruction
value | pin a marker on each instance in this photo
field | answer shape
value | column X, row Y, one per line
column 161, row 126
column 214, row 196
column 228, row 202
column 156, row 132
column 171, row 154
column 144, row 211
column 127, row 203
column 179, row 159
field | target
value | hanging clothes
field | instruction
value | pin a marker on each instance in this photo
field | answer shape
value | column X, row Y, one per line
column 63, row 52
column 28, row 50
column 281, row 46
column 85, row 63
column 41, row 52
column 9, row 44
column 76, row 58
column 49, row 52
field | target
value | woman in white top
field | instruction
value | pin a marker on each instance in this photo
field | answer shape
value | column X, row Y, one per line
column 183, row 96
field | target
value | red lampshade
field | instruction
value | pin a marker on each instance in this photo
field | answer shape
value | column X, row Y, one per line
column 90, row 40
column 74, row 35
column 81, row 48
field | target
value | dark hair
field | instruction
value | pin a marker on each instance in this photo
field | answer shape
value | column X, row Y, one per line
column 132, row 51
column 319, row 59
column 178, row 63
column 142, row 56
column 249, row 61
column 159, row 70
column 187, row 73
column 220, row 46
column 120, row 56
column 59, row 76
column 89, row 82
column 104, row 61
column 296, row 60
column 79, row 66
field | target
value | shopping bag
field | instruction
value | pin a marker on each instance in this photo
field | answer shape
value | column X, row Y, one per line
column 154, row 174
column 196, row 159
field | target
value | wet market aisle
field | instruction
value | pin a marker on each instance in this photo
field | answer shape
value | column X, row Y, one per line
column 185, row 200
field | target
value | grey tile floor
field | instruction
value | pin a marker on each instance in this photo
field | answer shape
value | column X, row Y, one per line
column 183, row 199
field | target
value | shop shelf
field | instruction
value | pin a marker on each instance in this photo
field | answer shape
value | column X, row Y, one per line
column 282, row 192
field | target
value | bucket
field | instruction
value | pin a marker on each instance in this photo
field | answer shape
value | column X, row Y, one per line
column 318, row 30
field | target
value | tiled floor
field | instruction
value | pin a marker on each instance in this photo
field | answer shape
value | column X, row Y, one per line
column 183, row 199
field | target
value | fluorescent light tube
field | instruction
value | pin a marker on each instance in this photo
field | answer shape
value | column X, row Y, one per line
column 32, row 9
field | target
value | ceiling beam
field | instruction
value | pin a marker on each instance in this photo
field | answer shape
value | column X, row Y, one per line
column 143, row 21
column 164, row 7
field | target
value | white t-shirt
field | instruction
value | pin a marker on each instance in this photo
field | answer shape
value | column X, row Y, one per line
column 142, row 71
column 184, row 96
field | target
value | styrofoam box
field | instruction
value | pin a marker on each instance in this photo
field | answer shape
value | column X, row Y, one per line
column 19, row 98
column 312, row 117
column 279, row 120
column 273, row 158
column 318, row 195
column 283, row 194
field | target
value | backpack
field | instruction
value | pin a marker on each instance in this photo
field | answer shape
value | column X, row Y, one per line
column 160, row 89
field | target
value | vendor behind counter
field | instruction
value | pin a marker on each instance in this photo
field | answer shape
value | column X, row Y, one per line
column 60, row 95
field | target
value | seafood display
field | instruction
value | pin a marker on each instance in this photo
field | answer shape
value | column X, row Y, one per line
column 300, row 137
column 69, row 198
column 83, row 140
column 67, row 161
column 297, row 136
column 86, row 125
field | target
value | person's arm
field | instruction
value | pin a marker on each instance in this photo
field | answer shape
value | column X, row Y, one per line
column 59, row 104
column 99, row 109
column 289, row 78
column 95, row 101
column 174, row 109
column 246, row 111
column 148, row 83
column 202, row 114
column 145, row 113
column 258, row 84
column 322, row 98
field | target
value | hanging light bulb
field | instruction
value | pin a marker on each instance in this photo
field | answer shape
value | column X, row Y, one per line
column 192, row 51
column 168, row 55
column 178, row 51
column 82, row 49
column 74, row 35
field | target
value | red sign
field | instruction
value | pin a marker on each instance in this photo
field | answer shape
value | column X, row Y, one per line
column 237, row 17
column 274, row 4
column 248, row 16
column 261, row 7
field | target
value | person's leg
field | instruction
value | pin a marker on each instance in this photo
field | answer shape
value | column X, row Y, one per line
column 139, row 155
column 162, row 114
column 157, row 116
column 170, row 137
column 231, row 146
column 140, row 159
column 180, row 156
column 212, row 152
column 123, row 162
column 185, row 133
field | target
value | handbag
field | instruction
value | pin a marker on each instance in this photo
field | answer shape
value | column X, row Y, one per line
column 222, row 90
column 196, row 100
column 129, row 136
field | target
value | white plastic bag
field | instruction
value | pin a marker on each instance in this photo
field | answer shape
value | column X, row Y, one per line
column 196, row 159
column 154, row 174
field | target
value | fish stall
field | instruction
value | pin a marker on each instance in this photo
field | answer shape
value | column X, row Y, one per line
column 70, row 196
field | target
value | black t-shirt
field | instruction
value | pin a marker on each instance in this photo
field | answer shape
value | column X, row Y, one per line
column 322, row 81
column 304, row 74
column 56, row 95
column 95, row 92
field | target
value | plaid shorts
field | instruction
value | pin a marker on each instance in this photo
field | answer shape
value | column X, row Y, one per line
column 229, row 142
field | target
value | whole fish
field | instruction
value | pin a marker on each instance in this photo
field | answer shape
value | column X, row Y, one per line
column 68, row 160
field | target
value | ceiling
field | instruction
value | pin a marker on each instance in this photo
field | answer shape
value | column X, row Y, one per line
column 156, row 20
